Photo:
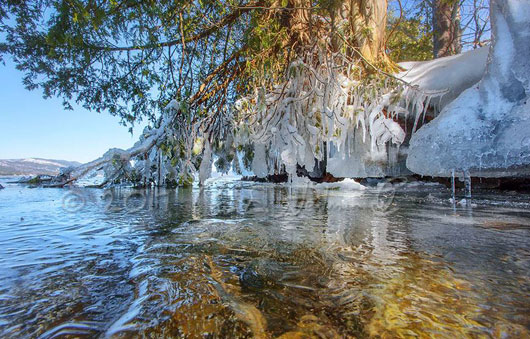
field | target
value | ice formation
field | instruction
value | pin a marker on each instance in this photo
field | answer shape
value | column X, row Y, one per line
column 321, row 113
column 117, row 161
column 205, row 170
column 486, row 130
column 149, row 161
column 454, row 73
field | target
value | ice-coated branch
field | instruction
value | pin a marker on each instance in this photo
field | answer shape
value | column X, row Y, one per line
column 147, row 142
column 323, row 108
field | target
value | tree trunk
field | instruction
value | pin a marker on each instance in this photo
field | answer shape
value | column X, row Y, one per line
column 447, row 31
column 299, row 22
column 368, row 22
column 365, row 19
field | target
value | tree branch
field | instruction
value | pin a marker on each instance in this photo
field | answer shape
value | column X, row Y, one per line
column 204, row 33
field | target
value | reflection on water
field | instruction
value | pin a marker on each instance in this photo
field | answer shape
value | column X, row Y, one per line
column 253, row 260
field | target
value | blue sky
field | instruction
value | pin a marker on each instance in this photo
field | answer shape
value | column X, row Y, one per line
column 31, row 126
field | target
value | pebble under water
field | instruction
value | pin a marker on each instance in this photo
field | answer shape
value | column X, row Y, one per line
column 241, row 259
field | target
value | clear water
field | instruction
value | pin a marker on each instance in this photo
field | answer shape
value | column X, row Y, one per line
column 253, row 260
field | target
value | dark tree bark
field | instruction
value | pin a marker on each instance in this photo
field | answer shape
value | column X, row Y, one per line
column 446, row 24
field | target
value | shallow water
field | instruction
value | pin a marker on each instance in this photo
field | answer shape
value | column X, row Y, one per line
column 241, row 259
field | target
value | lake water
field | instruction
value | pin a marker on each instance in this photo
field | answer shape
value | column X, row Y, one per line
column 240, row 259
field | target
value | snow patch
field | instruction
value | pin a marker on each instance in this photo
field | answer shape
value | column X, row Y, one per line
column 453, row 74
column 42, row 162
column 346, row 184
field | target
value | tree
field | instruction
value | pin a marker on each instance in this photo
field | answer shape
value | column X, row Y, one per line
column 260, row 77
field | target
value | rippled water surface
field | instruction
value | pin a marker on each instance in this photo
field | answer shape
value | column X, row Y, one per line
column 241, row 259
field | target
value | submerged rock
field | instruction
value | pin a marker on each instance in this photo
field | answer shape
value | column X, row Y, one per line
column 260, row 273
column 486, row 130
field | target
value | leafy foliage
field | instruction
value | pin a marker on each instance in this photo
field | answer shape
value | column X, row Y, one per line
column 411, row 39
column 128, row 58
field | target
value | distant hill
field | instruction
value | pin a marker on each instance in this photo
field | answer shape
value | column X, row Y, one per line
column 31, row 166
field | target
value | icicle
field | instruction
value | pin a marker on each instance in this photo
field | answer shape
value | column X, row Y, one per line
column 259, row 162
column 159, row 169
column 467, row 182
column 205, row 169
column 453, row 188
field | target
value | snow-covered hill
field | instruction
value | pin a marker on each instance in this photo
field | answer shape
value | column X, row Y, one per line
column 32, row 166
